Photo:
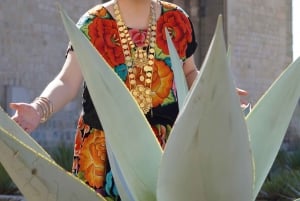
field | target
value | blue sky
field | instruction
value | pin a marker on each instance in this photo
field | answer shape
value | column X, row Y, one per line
column 296, row 28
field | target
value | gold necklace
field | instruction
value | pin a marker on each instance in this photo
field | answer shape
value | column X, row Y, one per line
column 139, row 60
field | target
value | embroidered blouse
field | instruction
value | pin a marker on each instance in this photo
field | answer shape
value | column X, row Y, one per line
column 101, row 29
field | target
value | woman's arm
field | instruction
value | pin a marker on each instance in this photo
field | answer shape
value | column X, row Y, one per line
column 62, row 89
column 190, row 70
column 65, row 86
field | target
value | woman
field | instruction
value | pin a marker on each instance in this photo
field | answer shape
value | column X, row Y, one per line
column 130, row 36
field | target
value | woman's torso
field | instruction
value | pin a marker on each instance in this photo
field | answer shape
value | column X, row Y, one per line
column 100, row 27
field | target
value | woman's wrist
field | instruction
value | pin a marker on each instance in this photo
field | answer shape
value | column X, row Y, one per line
column 43, row 107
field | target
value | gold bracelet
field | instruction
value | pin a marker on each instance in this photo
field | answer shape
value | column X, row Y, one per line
column 44, row 108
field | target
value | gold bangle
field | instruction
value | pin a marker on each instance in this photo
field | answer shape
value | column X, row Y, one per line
column 44, row 108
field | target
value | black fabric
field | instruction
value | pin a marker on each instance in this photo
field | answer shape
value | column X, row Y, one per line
column 165, row 115
column 89, row 115
column 193, row 45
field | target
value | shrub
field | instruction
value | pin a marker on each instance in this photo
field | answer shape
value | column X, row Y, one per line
column 7, row 186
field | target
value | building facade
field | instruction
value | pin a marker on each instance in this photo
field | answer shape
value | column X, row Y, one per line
column 33, row 43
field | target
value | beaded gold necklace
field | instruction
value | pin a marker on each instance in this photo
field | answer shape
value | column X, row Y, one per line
column 139, row 59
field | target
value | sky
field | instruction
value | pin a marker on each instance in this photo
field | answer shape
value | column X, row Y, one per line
column 296, row 28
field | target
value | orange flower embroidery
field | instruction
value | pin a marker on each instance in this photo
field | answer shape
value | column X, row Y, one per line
column 92, row 158
column 98, row 11
column 81, row 128
column 162, row 82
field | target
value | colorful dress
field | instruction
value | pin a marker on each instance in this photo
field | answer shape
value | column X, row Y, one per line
column 90, row 158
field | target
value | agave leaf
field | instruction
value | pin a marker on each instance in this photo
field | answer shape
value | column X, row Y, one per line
column 127, row 131
column 208, row 155
column 38, row 177
column 10, row 126
column 269, row 120
column 181, row 84
column 119, row 176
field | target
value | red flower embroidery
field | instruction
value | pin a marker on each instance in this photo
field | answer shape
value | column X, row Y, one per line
column 104, row 36
column 179, row 28
column 160, row 132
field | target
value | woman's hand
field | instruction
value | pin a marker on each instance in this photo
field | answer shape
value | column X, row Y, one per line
column 26, row 116
column 242, row 93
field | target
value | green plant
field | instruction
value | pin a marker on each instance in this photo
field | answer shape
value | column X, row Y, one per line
column 283, row 180
column 7, row 186
column 62, row 154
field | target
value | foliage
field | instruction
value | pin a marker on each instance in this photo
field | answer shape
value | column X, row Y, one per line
column 7, row 186
column 62, row 154
column 283, row 181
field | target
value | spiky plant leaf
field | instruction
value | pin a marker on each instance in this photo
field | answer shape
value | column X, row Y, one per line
column 283, row 186
column 38, row 177
column 208, row 155
column 121, row 181
column 181, row 84
column 269, row 120
column 62, row 154
column 7, row 186
column 9, row 126
column 127, row 131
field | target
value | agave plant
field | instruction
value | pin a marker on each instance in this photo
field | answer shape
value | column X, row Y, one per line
column 282, row 182
column 213, row 152
column 62, row 154
column 6, row 184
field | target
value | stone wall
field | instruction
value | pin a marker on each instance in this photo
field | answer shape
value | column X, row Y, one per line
column 32, row 48
column 260, row 35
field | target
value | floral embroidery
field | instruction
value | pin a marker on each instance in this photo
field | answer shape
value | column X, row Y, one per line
column 179, row 29
column 138, row 36
column 92, row 158
column 103, row 34
column 122, row 71
column 98, row 11
column 82, row 129
column 162, row 82
column 162, row 133
column 110, row 188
